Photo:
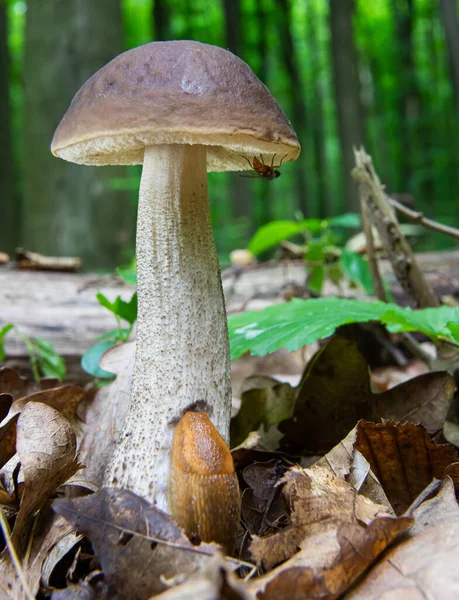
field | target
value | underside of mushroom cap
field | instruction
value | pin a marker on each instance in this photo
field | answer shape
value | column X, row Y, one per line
column 180, row 92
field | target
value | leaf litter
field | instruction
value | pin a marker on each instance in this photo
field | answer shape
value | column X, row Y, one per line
column 319, row 531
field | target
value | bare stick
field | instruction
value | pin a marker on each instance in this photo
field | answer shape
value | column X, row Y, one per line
column 401, row 256
column 418, row 217
column 371, row 253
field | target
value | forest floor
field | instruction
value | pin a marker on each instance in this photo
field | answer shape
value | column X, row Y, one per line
column 347, row 479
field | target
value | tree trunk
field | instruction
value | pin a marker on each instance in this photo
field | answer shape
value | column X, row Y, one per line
column 161, row 17
column 347, row 92
column 7, row 208
column 317, row 120
column 239, row 189
column 408, row 93
column 266, row 208
column 451, row 26
column 297, row 93
column 70, row 209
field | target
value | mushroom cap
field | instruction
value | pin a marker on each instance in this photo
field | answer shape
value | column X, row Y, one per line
column 179, row 92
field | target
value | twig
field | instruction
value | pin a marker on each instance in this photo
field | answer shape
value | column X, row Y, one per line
column 14, row 557
column 418, row 217
column 371, row 252
column 401, row 256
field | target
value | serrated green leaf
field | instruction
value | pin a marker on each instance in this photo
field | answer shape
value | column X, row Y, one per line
column 302, row 322
column 357, row 270
column 90, row 361
column 3, row 331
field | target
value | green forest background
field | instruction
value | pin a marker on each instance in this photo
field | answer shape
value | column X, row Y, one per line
column 384, row 73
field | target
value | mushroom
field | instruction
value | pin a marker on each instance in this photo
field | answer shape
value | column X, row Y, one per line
column 181, row 109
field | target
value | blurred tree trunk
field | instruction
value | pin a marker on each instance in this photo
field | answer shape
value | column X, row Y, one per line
column 240, row 189
column 408, row 93
column 347, row 92
column 161, row 20
column 316, row 116
column 266, row 208
column 297, row 93
column 451, row 25
column 7, row 208
column 69, row 209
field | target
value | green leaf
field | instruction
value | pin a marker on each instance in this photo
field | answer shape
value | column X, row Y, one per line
column 127, row 275
column 350, row 220
column 271, row 234
column 274, row 233
column 123, row 310
column 316, row 280
column 435, row 322
column 50, row 362
column 3, row 331
column 90, row 361
column 302, row 322
column 357, row 270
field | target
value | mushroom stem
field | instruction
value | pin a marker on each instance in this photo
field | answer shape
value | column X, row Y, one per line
column 182, row 349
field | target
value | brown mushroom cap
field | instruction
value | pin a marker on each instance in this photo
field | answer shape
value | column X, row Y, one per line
column 180, row 92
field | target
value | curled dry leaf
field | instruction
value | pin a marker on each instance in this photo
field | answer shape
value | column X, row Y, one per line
column 46, row 445
column 335, row 393
column 122, row 528
column 424, row 564
column 404, row 458
column 334, row 536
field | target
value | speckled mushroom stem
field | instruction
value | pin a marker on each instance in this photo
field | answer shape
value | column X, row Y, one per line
column 182, row 350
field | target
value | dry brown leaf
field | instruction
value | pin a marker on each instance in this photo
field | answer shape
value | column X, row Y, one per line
column 55, row 529
column 18, row 387
column 263, row 507
column 214, row 582
column 334, row 536
column 6, row 400
column 64, row 398
column 46, row 445
column 404, row 458
column 121, row 527
column 335, row 393
column 8, row 440
column 348, row 463
column 424, row 564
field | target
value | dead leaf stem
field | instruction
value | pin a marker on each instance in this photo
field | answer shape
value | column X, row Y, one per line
column 14, row 556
